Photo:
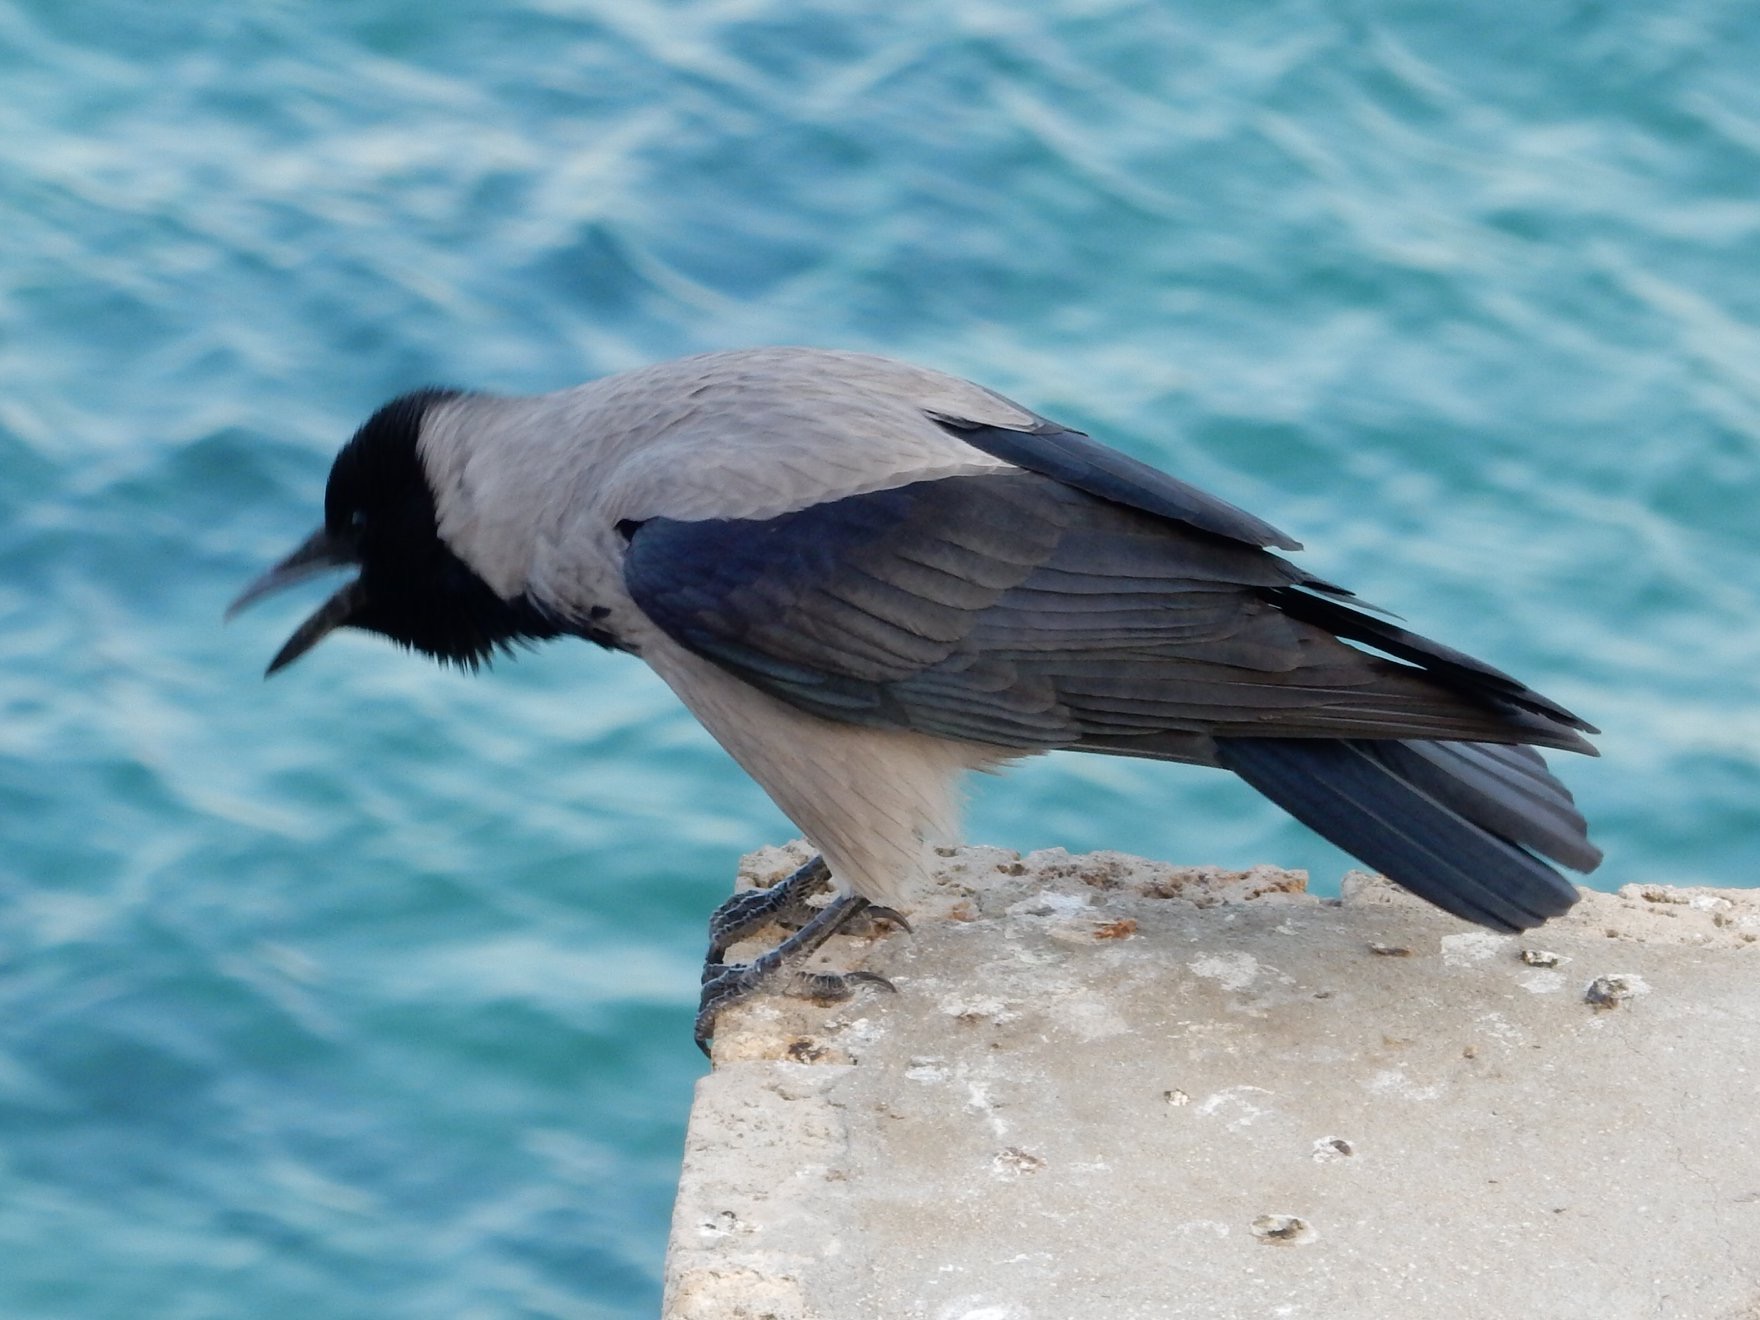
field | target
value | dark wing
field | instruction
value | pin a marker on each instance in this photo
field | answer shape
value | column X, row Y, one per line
column 1013, row 609
column 1009, row 608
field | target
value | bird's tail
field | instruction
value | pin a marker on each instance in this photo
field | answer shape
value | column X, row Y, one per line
column 1462, row 825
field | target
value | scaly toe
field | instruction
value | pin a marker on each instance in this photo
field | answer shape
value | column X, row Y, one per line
column 780, row 970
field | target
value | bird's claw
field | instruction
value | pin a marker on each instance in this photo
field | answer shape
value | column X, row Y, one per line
column 742, row 980
column 750, row 910
column 779, row 970
column 893, row 916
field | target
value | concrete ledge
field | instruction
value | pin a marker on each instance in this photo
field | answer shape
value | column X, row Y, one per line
column 1114, row 1089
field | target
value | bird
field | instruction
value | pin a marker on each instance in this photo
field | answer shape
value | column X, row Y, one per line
column 866, row 578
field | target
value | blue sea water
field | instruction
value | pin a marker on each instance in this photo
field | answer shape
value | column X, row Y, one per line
column 368, row 992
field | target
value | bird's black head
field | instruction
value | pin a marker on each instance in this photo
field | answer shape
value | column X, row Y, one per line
column 380, row 515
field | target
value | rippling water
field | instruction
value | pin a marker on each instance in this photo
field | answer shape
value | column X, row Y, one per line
column 368, row 992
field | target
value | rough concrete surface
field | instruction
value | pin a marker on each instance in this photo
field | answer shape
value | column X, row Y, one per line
column 1114, row 1089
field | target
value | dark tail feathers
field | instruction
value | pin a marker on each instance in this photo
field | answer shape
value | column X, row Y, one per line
column 1458, row 824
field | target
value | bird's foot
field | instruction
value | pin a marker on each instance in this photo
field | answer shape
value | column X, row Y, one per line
column 779, row 970
column 750, row 910
column 786, row 903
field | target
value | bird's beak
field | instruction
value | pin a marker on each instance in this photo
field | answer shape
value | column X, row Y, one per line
column 319, row 553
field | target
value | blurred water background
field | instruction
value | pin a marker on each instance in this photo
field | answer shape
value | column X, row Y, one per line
column 368, row 992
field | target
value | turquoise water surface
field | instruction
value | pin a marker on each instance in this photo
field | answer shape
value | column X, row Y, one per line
column 368, row 992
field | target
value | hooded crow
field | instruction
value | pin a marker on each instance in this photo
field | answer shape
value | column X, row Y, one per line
column 866, row 578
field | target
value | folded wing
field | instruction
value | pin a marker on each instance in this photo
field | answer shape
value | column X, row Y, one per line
column 1022, row 611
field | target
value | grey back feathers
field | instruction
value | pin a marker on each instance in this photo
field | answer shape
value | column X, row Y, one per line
column 838, row 557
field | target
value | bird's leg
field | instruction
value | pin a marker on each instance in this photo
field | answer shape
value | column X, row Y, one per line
column 725, row 983
column 752, row 909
